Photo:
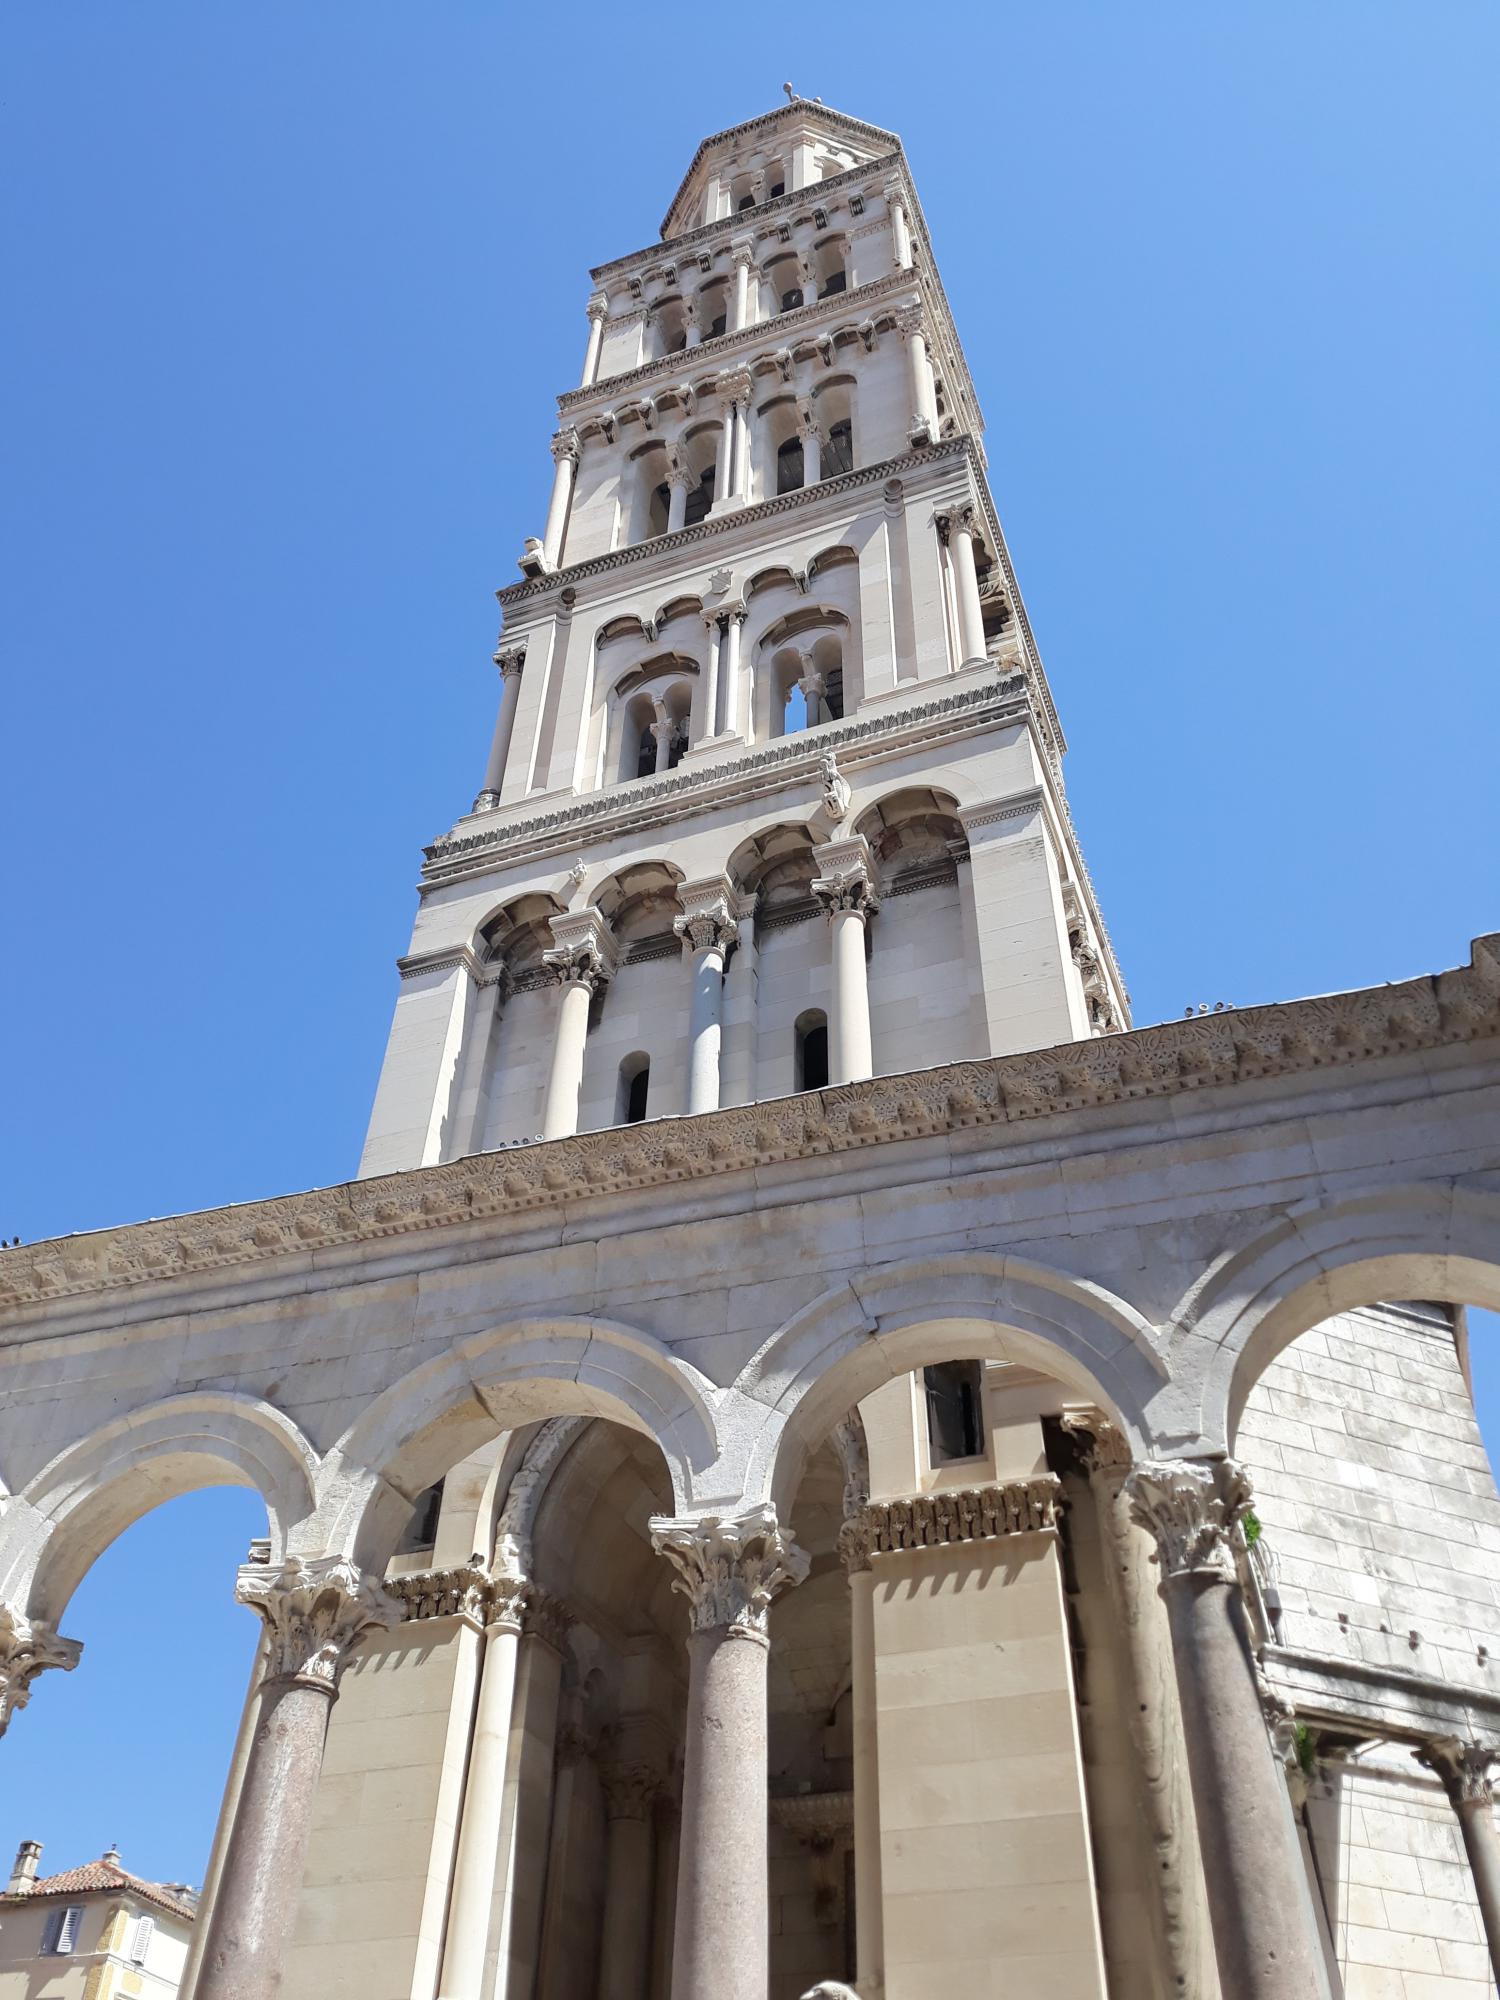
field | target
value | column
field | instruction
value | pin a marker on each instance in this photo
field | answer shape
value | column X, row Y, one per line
column 810, row 681
column 666, row 1861
column 869, row 1913
column 708, row 927
column 692, row 322
column 729, row 1569
column 724, row 471
column 467, row 1935
column 812, row 450
column 565, row 453
column 315, row 1614
column 744, row 263
column 663, row 729
column 895, row 201
column 913, row 326
column 735, row 721
column 598, row 314
column 960, row 529
column 1149, row 1700
column 681, row 482
column 714, row 623
column 510, row 661
column 1265, row 1931
column 526, row 1823
column 1466, row 1770
column 845, row 886
column 27, row 1647
column 743, row 470
column 625, row 1944
column 582, row 961
column 187, row 1985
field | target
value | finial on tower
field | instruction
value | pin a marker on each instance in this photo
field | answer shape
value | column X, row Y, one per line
column 791, row 95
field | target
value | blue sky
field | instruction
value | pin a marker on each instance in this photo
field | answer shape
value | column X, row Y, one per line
column 291, row 292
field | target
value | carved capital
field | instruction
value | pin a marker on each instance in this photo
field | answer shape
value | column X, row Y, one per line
column 730, row 1568
column 742, row 250
column 708, row 919
column 315, row 1613
column 630, row 1790
column 846, row 878
column 598, row 307
column 1102, row 1445
column 1192, row 1507
column 583, row 953
column 856, row 1542
column 735, row 385
column 547, row 1618
column 27, row 1647
column 565, row 444
column 1466, row 1769
column 911, row 320
column 510, row 660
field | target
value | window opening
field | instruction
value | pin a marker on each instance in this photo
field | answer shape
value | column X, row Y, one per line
column 421, row 1529
column 812, row 1053
column 836, row 281
column 635, row 1088
column 955, row 1424
column 676, row 745
column 838, row 453
column 833, row 693
column 791, row 299
column 700, row 498
column 776, row 188
column 745, row 201
column 789, row 467
column 645, row 755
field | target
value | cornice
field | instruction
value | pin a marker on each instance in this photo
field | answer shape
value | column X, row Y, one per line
column 716, row 526
column 765, row 333
column 1215, row 1051
column 691, row 789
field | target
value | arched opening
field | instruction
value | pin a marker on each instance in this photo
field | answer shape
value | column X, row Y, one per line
column 812, row 1049
column 635, row 1086
column 830, row 262
column 775, row 180
column 789, row 465
column 669, row 323
column 838, row 451
column 713, row 308
column 776, row 867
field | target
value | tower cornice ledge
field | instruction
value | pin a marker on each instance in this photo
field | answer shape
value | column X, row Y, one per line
column 1217, row 1051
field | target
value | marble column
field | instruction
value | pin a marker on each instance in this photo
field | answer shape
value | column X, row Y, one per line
column 598, row 314
column 27, row 1647
column 565, row 454
column 582, row 961
column 961, row 528
column 724, row 471
column 1264, row 1927
column 729, row 1569
column 895, row 201
column 744, row 263
column 315, row 1613
column 510, row 660
column 664, row 729
column 1149, row 1699
column 735, row 721
column 1467, row 1773
column 913, row 327
column 693, row 323
column 467, row 1935
column 812, row 452
column 708, row 927
column 845, row 886
column 714, row 625
column 625, row 1946
column 869, row 1913
column 680, row 482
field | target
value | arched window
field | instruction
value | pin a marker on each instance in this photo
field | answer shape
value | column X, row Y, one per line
column 700, row 498
column 789, row 467
column 745, row 201
column 634, row 1088
column 838, row 452
column 791, row 298
column 659, row 511
column 645, row 756
column 812, row 1050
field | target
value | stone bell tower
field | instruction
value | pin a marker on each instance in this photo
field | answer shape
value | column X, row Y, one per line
column 775, row 797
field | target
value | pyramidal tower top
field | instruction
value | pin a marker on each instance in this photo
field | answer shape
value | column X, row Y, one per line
column 774, row 799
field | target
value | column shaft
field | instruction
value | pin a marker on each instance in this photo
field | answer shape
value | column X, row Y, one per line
column 970, row 613
column 557, row 511
column 596, row 342
column 812, row 456
column 479, row 1830
column 869, row 1915
column 724, row 472
column 741, row 293
column 721, row 1942
column 677, row 506
column 742, row 481
column 625, row 1957
column 704, row 1030
column 565, row 1079
column 505, row 724
column 234, row 1785
column 730, row 671
column 1476, row 1820
column 849, row 1053
column 921, row 379
column 711, row 681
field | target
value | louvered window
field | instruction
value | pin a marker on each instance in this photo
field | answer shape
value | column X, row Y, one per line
column 61, row 1934
column 140, row 1944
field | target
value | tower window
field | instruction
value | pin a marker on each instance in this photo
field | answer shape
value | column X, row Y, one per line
column 791, row 298
column 812, row 1050
column 635, row 1087
column 745, row 201
column 836, row 281
column 833, row 693
column 838, row 453
column 955, row 1424
column 776, row 188
column 421, row 1529
column 789, row 467
column 645, row 755
column 700, row 498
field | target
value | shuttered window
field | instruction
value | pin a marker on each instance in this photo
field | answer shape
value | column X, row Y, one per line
column 61, row 1933
column 140, row 1944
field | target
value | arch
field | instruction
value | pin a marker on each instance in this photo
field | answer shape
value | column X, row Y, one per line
column 640, row 901
column 888, row 1322
column 518, row 932
column 522, row 1372
column 1426, row 1240
column 90, row 1493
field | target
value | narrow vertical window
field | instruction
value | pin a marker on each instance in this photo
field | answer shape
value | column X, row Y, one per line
column 955, row 1423
column 634, row 1089
column 812, row 1050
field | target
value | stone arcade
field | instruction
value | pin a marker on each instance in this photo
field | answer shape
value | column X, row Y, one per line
column 812, row 1452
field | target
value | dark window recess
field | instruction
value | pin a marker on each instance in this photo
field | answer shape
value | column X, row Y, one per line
column 777, row 188
column 676, row 747
column 790, row 300
column 636, row 1094
column 645, row 756
column 717, row 325
column 955, row 1428
column 745, row 201
column 833, row 694
column 812, row 1058
column 700, row 498
column 789, row 466
column 838, row 453
column 836, row 281
column 421, row 1529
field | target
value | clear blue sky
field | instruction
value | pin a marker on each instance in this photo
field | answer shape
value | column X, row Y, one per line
column 291, row 290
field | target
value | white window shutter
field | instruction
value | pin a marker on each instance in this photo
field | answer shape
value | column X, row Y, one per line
column 67, row 1935
column 141, row 1943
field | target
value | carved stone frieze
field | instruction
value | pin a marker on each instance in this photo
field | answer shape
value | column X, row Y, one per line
column 27, row 1648
column 1192, row 1507
column 314, row 1613
column 469, row 1590
column 961, row 1514
column 730, row 1567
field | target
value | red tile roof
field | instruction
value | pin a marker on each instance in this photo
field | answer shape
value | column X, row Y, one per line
column 95, row 1877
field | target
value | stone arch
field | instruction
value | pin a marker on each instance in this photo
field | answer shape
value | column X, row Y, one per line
column 1434, row 1241
column 522, row 1372
column 885, row 1323
column 90, row 1493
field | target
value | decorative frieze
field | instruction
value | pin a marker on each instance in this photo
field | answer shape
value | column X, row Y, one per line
column 466, row 1591
column 315, row 1613
column 953, row 1515
column 729, row 1568
column 27, row 1648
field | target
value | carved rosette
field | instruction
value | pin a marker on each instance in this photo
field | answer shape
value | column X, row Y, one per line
column 1192, row 1507
column 630, row 1790
column 1466, row 1769
column 730, row 1568
column 27, row 1647
column 315, row 1613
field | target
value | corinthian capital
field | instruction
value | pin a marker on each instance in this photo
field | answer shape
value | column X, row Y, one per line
column 1192, row 1508
column 315, row 1613
column 730, row 1568
column 1466, row 1769
column 583, row 952
column 26, row 1647
column 565, row 444
column 846, row 877
column 707, row 920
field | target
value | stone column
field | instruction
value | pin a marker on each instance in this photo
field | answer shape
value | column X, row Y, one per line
column 315, row 1614
column 666, row 1860
column 565, row 454
column 744, row 263
column 598, row 314
column 714, row 625
column 663, row 729
column 625, row 1948
column 810, row 681
column 869, row 1913
column 1467, row 1772
column 27, row 1647
column 895, row 201
column 680, row 483
column 729, row 1569
column 582, row 961
column 913, row 327
column 742, row 465
column 692, row 322
column 467, row 1935
column 510, row 660
column 845, row 886
column 729, row 667
column 961, row 528
column 1149, row 1699
column 724, row 471
column 1265, row 1931
column 708, row 927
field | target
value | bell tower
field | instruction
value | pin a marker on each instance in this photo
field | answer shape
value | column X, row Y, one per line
column 774, row 799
